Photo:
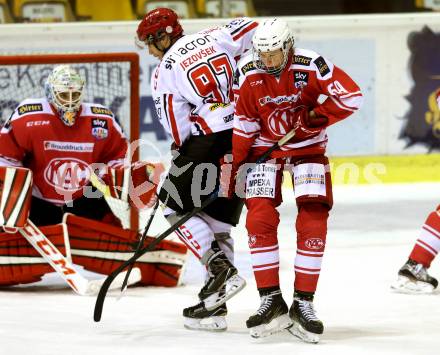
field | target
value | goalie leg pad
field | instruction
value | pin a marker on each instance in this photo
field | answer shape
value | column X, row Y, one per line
column 20, row 263
column 102, row 248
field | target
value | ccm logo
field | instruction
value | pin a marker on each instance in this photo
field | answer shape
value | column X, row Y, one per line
column 37, row 123
column 314, row 243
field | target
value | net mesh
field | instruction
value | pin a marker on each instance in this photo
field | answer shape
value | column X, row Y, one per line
column 107, row 83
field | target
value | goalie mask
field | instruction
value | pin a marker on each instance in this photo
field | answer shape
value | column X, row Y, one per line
column 64, row 90
column 272, row 44
column 156, row 25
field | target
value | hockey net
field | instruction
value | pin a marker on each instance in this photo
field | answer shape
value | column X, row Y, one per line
column 112, row 79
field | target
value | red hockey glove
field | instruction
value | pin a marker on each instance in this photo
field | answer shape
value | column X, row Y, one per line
column 308, row 124
column 143, row 192
column 140, row 190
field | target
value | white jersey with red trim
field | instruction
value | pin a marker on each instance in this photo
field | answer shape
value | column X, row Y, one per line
column 438, row 99
column 60, row 156
column 266, row 104
column 192, row 85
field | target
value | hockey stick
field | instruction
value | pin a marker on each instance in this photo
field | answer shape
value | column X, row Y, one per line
column 211, row 198
column 141, row 242
column 61, row 265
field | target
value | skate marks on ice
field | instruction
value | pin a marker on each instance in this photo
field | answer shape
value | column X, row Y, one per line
column 363, row 256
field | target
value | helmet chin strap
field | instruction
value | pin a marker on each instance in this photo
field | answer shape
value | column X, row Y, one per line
column 164, row 50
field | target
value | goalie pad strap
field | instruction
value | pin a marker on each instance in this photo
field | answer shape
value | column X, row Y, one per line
column 15, row 196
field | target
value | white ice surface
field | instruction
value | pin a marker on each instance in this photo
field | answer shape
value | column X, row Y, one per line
column 371, row 232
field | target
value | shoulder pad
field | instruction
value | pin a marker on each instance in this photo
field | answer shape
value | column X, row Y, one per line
column 238, row 23
column 31, row 107
column 304, row 57
column 322, row 66
column 302, row 60
column 246, row 64
column 247, row 67
column 91, row 109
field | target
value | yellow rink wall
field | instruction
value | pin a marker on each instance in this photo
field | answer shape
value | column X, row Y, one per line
column 383, row 169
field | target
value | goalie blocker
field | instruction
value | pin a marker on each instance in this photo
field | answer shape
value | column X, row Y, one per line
column 97, row 246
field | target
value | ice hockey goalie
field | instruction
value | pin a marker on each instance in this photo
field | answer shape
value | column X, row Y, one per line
column 59, row 138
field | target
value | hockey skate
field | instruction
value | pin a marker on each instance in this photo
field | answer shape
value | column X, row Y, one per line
column 199, row 318
column 222, row 275
column 306, row 324
column 271, row 317
column 413, row 278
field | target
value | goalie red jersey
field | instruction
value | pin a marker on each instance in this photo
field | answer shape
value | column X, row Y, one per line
column 268, row 106
column 60, row 156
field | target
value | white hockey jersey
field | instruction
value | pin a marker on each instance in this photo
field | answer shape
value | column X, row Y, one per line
column 192, row 85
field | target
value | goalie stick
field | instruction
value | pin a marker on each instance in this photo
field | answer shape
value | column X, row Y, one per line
column 211, row 198
column 64, row 267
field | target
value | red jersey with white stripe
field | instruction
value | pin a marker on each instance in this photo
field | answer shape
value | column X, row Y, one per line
column 266, row 104
column 427, row 245
column 60, row 156
column 438, row 99
column 192, row 85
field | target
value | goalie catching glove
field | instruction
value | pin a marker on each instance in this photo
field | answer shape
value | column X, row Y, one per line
column 135, row 183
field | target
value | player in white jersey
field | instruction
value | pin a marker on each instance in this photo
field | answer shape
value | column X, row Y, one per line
column 192, row 91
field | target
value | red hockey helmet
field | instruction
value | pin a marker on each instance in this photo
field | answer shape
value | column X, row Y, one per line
column 158, row 22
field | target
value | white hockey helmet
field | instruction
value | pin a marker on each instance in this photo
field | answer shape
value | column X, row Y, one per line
column 64, row 90
column 271, row 35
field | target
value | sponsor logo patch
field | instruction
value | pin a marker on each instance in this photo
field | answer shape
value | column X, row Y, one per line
column 69, row 146
column 28, row 108
column 279, row 99
column 309, row 178
column 99, row 128
column 322, row 66
column 314, row 243
column 101, row 111
column 228, row 118
column 67, row 174
column 247, row 67
column 252, row 240
column 300, row 79
column 37, row 123
column 217, row 105
column 302, row 60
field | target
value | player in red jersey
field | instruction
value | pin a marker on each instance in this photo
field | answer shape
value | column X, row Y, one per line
column 413, row 276
column 60, row 139
column 278, row 90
